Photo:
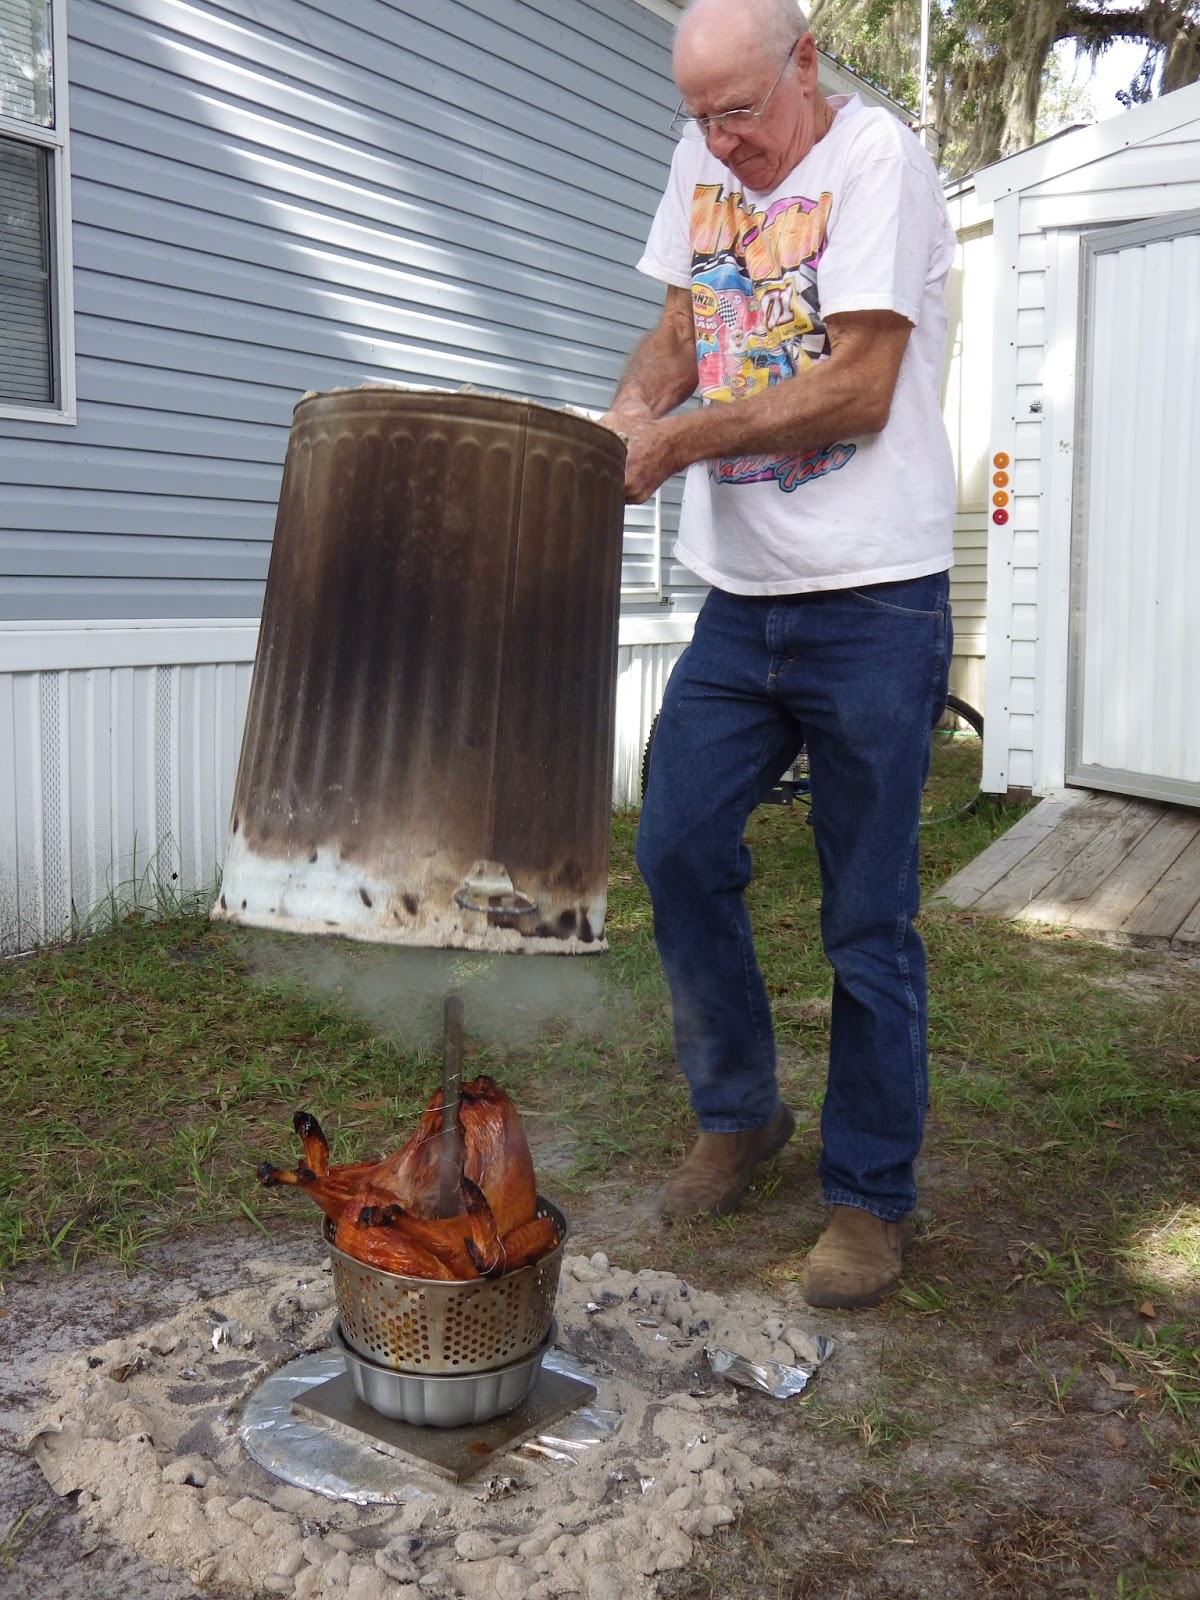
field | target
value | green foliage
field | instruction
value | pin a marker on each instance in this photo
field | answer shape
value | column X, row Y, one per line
column 1064, row 102
column 991, row 62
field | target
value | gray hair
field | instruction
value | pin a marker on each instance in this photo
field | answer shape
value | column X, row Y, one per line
column 781, row 23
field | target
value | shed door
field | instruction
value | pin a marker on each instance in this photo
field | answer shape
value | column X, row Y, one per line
column 1134, row 718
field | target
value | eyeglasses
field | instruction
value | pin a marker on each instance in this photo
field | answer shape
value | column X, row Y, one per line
column 735, row 121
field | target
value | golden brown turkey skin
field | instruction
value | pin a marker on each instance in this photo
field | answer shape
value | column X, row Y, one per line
column 385, row 1212
column 497, row 1154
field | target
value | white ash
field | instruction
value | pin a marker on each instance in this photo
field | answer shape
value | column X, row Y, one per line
column 142, row 1428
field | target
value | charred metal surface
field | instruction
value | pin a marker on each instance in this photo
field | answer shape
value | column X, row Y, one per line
column 435, row 674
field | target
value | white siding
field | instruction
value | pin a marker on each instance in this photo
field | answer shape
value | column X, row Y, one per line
column 965, row 406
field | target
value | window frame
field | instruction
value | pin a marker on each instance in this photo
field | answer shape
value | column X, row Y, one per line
column 668, row 10
column 653, row 590
column 55, row 140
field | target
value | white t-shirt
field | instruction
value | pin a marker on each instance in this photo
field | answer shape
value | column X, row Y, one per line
column 859, row 225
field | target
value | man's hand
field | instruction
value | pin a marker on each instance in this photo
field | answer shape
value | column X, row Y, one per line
column 652, row 457
column 848, row 393
column 627, row 409
column 659, row 375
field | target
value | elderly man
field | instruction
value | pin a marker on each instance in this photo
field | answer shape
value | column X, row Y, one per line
column 804, row 243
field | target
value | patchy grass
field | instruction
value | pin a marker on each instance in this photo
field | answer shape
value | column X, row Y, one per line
column 1019, row 1420
column 145, row 1069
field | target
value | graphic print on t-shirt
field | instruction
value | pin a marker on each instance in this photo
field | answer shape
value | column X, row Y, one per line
column 757, row 313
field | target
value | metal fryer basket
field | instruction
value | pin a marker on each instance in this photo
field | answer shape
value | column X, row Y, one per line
column 429, row 1326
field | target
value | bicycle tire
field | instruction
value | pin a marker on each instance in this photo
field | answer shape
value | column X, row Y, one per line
column 792, row 786
column 955, row 774
column 955, row 780
column 646, row 754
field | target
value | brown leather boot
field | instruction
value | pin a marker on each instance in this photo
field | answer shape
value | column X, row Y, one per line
column 718, row 1171
column 856, row 1261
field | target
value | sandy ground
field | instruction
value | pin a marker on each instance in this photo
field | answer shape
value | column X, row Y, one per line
column 46, row 1315
column 98, row 1359
column 998, row 1491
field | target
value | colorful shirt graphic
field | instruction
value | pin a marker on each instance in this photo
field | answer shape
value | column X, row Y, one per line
column 858, row 225
column 758, row 314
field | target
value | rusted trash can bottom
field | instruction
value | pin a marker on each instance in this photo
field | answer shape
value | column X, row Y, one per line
column 325, row 894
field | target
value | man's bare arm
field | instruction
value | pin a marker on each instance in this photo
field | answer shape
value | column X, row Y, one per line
column 661, row 370
column 847, row 394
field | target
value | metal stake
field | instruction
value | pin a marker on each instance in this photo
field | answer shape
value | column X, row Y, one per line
column 451, row 1202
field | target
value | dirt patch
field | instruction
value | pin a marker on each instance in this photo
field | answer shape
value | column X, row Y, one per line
column 980, row 1434
column 138, row 1432
column 46, row 1546
column 929, row 1459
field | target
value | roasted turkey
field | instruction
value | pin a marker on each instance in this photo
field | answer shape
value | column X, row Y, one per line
column 390, row 1213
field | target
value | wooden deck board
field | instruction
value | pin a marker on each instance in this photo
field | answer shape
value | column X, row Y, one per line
column 1106, row 864
column 965, row 887
column 1090, row 868
column 1025, row 880
column 1173, row 903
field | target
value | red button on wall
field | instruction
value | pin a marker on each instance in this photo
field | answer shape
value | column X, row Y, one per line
column 1000, row 516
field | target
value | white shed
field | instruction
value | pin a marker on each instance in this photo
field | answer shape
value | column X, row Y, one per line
column 1074, row 400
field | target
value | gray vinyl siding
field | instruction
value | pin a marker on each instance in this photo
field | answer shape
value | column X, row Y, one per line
column 270, row 197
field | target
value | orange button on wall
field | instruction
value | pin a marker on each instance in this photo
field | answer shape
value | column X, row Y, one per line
column 1000, row 498
column 999, row 459
column 1000, row 479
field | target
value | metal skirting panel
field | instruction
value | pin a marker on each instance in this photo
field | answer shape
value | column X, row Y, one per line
column 968, row 675
column 115, row 789
column 114, row 778
column 642, row 673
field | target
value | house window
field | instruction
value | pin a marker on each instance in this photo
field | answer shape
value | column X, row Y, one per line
column 641, row 546
column 35, row 353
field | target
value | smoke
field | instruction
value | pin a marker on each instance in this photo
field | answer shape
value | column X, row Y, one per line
column 508, row 1000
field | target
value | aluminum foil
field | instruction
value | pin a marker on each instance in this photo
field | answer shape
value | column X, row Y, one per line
column 312, row 1457
column 770, row 1377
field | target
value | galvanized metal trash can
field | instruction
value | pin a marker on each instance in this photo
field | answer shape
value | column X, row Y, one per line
column 428, row 749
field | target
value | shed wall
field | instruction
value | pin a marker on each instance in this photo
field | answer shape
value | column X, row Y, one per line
column 965, row 407
column 1143, row 164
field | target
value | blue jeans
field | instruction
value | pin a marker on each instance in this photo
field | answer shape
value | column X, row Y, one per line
column 857, row 676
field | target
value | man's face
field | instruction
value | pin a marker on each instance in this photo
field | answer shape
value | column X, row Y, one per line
column 758, row 150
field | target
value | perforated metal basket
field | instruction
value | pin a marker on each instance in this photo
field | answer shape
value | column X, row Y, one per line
column 443, row 1399
column 429, row 1326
